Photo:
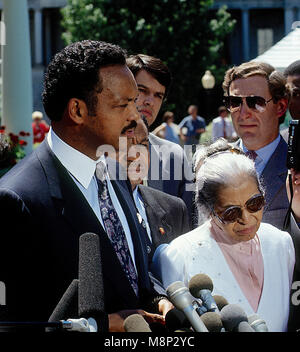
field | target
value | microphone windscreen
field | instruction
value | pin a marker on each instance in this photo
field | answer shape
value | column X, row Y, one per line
column 200, row 282
column 136, row 323
column 232, row 315
column 176, row 319
column 220, row 301
column 257, row 323
column 67, row 307
column 212, row 321
column 90, row 289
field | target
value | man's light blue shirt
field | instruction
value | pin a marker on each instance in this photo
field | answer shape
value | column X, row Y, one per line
column 263, row 154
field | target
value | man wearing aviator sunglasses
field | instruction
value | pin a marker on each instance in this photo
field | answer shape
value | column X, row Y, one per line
column 257, row 98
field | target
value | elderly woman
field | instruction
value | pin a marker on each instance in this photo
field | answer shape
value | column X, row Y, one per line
column 250, row 263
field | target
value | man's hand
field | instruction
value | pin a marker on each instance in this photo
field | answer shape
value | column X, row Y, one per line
column 116, row 320
column 164, row 305
column 296, row 193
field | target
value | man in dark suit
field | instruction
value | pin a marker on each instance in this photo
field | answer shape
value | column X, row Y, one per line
column 257, row 98
column 170, row 170
column 164, row 216
column 52, row 196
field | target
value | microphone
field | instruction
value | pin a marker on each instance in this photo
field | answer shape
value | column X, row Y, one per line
column 220, row 301
column 175, row 319
column 90, row 288
column 136, row 323
column 258, row 324
column 68, row 304
column 212, row 321
column 180, row 296
column 235, row 319
column 201, row 287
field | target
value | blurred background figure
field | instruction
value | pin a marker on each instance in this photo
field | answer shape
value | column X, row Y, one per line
column 39, row 127
column 222, row 126
column 192, row 126
column 168, row 129
column 292, row 74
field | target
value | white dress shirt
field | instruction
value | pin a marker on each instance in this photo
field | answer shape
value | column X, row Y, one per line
column 82, row 170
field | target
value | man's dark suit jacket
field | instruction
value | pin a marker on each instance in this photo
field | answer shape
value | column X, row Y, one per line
column 273, row 180
column 43, row 215
column 167, row 215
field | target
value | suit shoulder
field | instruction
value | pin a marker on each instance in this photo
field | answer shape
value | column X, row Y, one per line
column 161, row 196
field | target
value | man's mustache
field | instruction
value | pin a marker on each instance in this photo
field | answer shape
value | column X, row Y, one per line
column 132, row 124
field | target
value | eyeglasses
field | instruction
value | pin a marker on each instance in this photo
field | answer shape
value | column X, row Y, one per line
column 254, row 102
column 232, row 214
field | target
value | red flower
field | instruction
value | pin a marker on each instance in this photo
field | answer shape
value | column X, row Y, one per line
column 22, row 142
column 22, row 133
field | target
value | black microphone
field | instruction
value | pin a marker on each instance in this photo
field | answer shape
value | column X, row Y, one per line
column 220, row 301
column 212, row 321
column 180, row 296
column 68, row 304
column 175, row 319
column 90, row 288
column 258, row 324
column 235, row 319
column 201, row 287
column 136, row 323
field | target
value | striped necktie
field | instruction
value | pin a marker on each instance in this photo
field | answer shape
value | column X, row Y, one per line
column 251, row 154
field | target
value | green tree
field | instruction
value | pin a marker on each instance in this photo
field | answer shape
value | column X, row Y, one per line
column 186, row 34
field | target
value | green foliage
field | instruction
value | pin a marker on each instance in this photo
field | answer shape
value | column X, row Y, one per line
column 185, row 34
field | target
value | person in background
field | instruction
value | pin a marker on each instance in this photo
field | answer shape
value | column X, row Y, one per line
column 238, row 251
column 168, row 129
column 169, row 170
column 257, row 98
column 164, row 216
column 292, row 74
column 40, row 128
column 222, row 126
column 192, row 126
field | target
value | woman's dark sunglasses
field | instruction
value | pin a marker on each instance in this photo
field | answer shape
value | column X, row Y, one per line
column 256, row 103
column 232, row 214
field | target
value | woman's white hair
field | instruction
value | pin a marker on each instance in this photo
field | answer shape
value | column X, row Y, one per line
column 216, row 166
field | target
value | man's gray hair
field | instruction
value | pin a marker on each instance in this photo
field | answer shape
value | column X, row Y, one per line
column 217, row 166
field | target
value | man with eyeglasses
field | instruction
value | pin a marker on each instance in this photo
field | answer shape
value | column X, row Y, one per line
column 257, row 98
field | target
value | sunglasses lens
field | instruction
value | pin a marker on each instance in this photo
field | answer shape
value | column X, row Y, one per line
column 256, row 103
column 231, row 214
column 255, row 203
column 232, row 102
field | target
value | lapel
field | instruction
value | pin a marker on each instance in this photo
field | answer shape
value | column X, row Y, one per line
column 274, row 173
column 74, row 208
column 156, row 216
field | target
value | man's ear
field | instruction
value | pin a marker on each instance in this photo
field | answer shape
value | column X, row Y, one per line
column 282, row 106
column 77, row 110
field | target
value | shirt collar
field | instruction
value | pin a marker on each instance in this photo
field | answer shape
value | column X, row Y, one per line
column 78, row 164
column 265, row 152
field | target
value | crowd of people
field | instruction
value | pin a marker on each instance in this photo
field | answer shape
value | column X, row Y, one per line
column 162, row 213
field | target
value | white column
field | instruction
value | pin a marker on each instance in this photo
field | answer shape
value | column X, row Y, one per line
column 288, row 20
column 16, row 70
column 38, row 38
column 245, row 34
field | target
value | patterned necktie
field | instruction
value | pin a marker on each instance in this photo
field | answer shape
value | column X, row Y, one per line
column 114, row 230
column 251, row 154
